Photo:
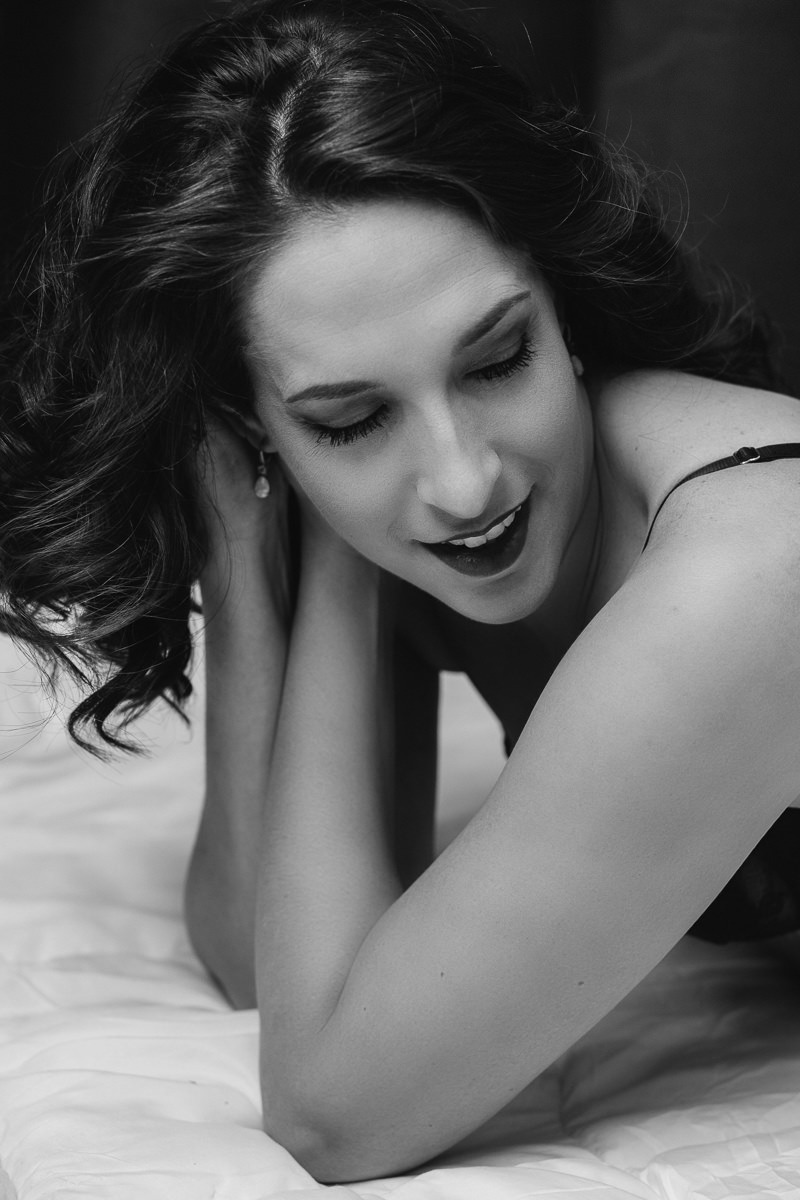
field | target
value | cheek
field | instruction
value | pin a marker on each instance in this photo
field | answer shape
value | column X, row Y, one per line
column 359, row 515
column 565, row 422
column 352, row 506
column 543, row 405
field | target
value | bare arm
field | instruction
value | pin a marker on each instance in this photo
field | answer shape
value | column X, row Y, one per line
column 245, row 605
column 245, row 608
column 662, row 749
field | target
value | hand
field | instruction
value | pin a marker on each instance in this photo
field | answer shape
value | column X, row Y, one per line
column 244, row 532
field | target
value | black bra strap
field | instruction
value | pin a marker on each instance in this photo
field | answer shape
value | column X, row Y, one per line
column 746, row 454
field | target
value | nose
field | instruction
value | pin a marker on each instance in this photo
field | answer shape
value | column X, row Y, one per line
column 460, row 470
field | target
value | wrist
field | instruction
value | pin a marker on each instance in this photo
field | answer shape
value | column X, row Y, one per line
column 335, row 571
column 245, row 582
column 323, row 551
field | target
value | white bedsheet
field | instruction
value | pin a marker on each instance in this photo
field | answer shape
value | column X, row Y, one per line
column 125, row 1076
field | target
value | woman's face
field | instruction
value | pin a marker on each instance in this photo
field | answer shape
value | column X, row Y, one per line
column 411, row 375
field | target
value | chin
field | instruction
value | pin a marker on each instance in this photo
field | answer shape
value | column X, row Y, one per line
column 503, row 604
column 493, row 614
column 502, row 600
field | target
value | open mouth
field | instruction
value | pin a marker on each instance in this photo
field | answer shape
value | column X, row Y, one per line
column 490, row 552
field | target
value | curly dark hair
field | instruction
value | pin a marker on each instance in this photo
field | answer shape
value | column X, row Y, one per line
column 125, row 338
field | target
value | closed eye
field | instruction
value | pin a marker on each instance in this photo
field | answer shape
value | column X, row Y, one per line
column 502, row 368
column 345, row 435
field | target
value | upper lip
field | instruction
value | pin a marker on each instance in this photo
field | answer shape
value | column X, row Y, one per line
column 467, row 533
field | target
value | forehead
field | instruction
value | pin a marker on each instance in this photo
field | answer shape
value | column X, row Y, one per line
column 374, row 276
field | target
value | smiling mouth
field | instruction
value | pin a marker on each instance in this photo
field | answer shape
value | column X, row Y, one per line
column 490, row 551
column 495, row 530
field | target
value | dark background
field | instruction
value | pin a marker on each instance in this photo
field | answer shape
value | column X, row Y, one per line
column 709, row 89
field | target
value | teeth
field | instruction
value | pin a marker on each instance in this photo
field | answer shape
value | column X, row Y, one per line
column 481, row 539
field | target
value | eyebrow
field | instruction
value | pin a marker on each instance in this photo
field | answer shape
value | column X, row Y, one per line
column 356, row 387
column 333, row 391
column 492, row 318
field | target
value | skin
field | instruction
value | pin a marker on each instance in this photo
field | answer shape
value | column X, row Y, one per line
column 453, row 449
column 653, row 753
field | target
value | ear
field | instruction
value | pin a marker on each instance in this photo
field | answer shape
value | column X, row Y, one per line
column 248, row 426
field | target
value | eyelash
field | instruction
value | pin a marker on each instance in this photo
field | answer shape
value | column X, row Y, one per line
column 347, row 434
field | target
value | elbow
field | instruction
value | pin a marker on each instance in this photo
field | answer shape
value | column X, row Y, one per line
column 334, row 1147
column 322, row 1149
column 314, row 1150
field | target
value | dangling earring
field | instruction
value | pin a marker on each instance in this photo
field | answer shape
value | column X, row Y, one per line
column 261, row 485
column 577, row 365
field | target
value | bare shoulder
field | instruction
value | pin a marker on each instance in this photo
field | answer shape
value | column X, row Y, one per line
column 730, row 541
column 720, row 576
column 650, row 400
column 714, row 604
column 655, row 427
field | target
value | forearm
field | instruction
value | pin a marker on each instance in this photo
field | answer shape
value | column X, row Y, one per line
column 245, row 653
column 327, row 871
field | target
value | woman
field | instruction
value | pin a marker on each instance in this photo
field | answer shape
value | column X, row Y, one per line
column 408, row 370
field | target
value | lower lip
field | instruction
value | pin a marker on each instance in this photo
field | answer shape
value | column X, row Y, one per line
column 493, row 557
